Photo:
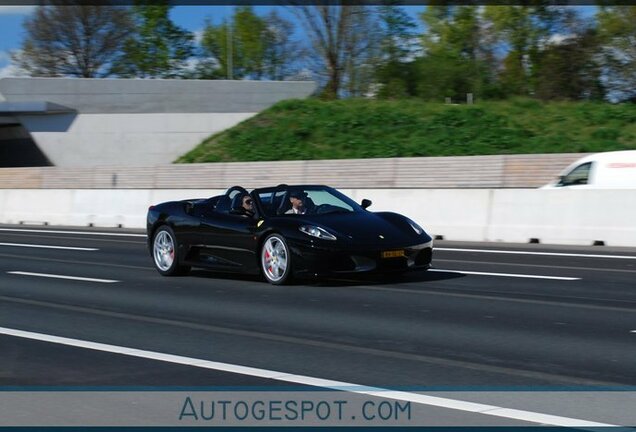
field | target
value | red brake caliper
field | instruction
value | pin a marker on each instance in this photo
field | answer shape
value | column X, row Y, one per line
column 267, row 258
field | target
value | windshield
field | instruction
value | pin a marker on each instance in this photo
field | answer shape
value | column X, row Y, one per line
column 294, row 200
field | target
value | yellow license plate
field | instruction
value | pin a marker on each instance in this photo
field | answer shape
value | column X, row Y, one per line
column 393, row 254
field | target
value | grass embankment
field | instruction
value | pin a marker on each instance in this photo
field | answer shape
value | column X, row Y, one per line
column 314, row 129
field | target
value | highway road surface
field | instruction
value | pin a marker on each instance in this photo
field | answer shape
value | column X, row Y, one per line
column 487, row 317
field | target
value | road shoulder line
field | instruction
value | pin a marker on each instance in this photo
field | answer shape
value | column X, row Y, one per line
column 454, row 404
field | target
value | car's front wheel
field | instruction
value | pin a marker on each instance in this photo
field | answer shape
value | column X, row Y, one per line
column 276, row 260
column 164, row 253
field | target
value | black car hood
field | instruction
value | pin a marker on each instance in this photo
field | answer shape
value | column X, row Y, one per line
column 364, row 228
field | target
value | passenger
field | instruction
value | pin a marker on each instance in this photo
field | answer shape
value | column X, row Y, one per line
column 297, row 199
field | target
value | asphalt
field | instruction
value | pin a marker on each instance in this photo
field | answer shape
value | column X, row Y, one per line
column 428, row 330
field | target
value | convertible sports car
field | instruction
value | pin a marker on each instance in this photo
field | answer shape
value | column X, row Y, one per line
column 309, row 230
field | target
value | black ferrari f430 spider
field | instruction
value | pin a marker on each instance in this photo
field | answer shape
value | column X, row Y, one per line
column 282, row 232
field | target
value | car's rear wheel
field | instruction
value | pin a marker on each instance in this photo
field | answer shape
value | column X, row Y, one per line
column 164, row 253
column 276, row 260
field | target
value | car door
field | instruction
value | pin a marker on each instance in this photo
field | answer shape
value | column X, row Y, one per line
column 227, row 242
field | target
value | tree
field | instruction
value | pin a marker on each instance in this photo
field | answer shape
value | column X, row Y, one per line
column 442, row 75
column 523, row 32
column 397, row 36
column 458, row 59
column 363, row 53
column 73, row 38
column 282, row 52
column 569, row 65
column 397, row 32
column 454, row 28
column 249, row 34
column 340, row 40
column 261, row 46
column 568, row 69
column 617, row 29
column 157, row 48
column 214, row 44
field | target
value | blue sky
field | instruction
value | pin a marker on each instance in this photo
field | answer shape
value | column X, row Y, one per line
column 190, row 17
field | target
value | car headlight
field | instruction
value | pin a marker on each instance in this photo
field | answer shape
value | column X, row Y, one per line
column 318, row 232
column 418, row 229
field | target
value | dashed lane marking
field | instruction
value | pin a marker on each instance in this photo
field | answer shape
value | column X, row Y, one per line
column 512, row 275
column 48, row 246
column 54, row 276
column 73, row 232
column 561, row 254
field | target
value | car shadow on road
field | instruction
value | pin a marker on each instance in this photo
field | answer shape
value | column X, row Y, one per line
column 211, row 274
column 350, row 280
column 390, row 279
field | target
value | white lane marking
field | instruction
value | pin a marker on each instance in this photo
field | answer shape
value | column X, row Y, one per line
column 512, row 275
column 48, row 246
column 492, row 410
column 74, row 232
column 46, row 275
column 632, row 331
column 535, row 253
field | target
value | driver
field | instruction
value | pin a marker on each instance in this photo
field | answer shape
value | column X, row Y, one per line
column 297, row 199
column 247, row 203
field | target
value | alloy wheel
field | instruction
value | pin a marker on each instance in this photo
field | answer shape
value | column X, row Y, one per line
column 275, row 259
column 163, row 250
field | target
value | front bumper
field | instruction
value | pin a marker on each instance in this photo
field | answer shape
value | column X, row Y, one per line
column 313, row 259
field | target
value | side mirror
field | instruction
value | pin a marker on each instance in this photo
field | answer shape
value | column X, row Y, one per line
column 366, row 203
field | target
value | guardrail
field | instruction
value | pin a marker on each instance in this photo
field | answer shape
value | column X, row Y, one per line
column 465, row 172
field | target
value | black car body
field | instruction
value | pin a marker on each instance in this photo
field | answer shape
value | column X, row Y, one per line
column 334, row 236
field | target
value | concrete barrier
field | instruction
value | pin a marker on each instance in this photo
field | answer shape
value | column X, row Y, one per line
column 564, row 216
column 572, row 217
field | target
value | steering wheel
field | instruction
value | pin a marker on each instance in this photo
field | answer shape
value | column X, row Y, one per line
column 322, row 208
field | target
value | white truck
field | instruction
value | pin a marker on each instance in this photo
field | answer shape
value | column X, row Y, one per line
column 609, row 170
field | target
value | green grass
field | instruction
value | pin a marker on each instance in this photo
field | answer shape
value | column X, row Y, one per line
column 361, row 128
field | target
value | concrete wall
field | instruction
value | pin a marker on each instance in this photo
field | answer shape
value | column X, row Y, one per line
column 146, row 96
column 134, row 122
column 124, row 139
column 511, row 215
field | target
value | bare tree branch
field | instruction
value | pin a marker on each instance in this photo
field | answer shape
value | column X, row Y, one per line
column 72, row 38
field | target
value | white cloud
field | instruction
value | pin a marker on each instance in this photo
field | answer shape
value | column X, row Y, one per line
column 559, row 38
column 9, row 70
column 12, row 71
column 198, row 36
column 192, row 63
column 16, row 10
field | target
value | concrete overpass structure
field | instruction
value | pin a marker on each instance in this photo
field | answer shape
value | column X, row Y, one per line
column 95, row 122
